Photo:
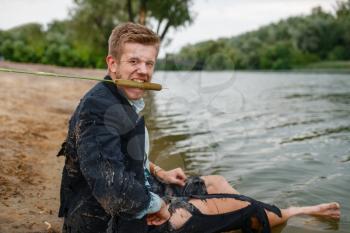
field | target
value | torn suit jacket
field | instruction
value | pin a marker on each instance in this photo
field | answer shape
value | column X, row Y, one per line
column 103, row 175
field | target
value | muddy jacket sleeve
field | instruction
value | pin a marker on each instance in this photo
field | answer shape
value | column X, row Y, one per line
column 102, row 162
column 154, row 206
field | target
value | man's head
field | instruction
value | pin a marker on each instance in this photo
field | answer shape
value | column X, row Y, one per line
column 132, row 53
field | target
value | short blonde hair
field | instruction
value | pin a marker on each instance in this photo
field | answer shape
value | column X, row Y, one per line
column 133, row 33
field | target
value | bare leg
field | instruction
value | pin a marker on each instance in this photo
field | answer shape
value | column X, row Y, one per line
column 224, row 205
column 218, row 184
column 327, row 210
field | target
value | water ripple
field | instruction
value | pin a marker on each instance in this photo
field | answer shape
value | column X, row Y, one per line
column 279, row 137
column 317, row 134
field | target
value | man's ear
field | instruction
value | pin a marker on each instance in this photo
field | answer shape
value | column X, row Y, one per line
column 112, row 64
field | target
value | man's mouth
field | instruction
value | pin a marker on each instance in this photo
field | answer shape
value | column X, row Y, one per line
column 138, row 80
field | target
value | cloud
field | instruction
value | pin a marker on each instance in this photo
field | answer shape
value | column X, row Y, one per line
column 17, row 12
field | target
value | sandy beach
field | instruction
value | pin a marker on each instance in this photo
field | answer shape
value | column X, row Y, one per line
column 34, row 115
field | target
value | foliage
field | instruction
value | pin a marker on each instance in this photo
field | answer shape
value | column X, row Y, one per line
column 288, row 44
column 82, row 39
column 170, row 13
column 23, row 44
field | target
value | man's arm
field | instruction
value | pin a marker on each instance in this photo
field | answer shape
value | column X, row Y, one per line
column 154, row 206
column 102, row 163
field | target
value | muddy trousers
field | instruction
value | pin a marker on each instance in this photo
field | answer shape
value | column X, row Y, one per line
column 89, row 217
column 203, row 223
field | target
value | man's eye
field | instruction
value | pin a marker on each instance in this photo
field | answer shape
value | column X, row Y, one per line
column 133, row 62
column 149, row 64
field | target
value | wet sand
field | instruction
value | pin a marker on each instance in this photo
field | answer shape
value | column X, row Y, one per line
column 34, row 114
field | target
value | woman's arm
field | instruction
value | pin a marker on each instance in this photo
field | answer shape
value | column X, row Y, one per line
column 174, row 176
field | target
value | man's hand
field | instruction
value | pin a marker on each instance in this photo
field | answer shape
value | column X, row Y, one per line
column 159, row 217
column 175, row 176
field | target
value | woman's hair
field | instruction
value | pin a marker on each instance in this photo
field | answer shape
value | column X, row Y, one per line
column 133, row 33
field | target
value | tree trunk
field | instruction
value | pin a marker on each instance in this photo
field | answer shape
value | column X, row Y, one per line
column 130, row 12
column 143, row 12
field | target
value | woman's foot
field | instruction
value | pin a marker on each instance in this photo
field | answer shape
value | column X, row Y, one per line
column 327, row 210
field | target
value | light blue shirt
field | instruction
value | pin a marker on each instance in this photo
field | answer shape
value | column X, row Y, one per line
column 156, row 202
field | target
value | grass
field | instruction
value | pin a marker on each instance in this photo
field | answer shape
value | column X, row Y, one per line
column 342, row 66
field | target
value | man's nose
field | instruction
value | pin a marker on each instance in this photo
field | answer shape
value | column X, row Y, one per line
column 142, row 68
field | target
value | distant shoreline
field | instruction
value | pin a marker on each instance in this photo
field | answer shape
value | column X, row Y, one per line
column 338, row 67
column 317, row 67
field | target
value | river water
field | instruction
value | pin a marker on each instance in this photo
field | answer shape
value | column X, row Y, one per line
column 281, row 138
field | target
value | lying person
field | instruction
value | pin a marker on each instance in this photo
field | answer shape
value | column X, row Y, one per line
column 221, row 208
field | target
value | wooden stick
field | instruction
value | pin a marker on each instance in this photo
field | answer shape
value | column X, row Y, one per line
column 145, row 86
column 119, row 82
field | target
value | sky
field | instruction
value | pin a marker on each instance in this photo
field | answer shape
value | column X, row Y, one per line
column 213, row 18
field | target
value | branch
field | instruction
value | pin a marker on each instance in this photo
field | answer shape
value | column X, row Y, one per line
column 159, row 23
column 165, row 30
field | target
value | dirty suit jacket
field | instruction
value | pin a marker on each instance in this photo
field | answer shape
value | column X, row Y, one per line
column 103, row 179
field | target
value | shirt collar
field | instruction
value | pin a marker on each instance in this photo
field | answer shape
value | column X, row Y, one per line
column 138, row 105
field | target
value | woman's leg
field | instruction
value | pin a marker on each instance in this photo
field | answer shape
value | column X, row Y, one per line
column 327, row 210
column 216, row 206
column 217, row 184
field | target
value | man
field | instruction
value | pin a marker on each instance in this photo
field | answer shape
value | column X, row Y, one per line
column 107, row 178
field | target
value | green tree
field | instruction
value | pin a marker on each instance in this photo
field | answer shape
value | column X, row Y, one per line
column 25, row 43
column 90, row 25
column 170, row 14
column 343, row 22
column 165, row 14
column 93, row 20
column 319, row 33
column 282, row 56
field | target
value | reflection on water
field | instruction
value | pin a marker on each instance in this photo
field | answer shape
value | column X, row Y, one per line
column 283, row 138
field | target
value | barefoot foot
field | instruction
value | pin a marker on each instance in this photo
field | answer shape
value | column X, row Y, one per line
column 328, row 210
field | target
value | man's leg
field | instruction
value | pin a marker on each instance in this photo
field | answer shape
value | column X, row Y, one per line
column 87, row 217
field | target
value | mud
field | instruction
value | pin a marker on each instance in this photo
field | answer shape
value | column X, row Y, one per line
column 34, row 114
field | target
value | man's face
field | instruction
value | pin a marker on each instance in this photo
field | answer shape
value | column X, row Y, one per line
column 136, row 63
